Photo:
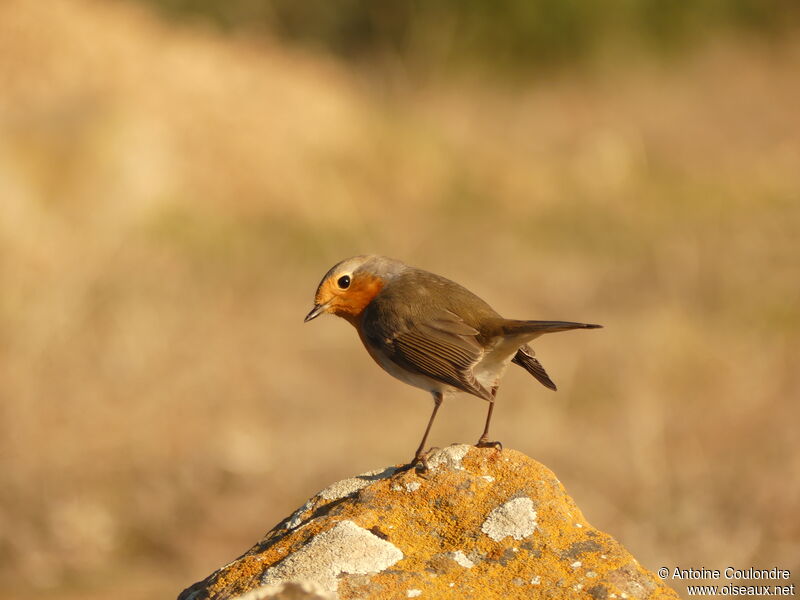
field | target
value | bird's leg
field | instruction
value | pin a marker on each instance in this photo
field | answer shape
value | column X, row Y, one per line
column 484, row 442
column 419, row 455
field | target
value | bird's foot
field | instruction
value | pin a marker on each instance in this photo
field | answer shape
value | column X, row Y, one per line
column 421, row 460
column 485, row 443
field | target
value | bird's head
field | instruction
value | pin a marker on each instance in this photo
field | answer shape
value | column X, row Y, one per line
column 349, row 286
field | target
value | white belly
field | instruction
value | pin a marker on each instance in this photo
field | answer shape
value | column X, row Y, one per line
column 495, row 361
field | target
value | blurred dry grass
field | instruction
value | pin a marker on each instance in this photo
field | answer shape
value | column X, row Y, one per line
column 169, row 199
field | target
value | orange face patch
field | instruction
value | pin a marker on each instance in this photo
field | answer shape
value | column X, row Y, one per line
column 349, row 303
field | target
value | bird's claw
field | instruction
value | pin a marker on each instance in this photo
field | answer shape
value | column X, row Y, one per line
column 484, row 443
column 421, row 460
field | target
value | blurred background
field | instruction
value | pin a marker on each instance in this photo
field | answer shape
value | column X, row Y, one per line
column 177, row 175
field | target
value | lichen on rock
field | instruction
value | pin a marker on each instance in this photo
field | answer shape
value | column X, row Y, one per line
column 478, row 523
column 344, row 548
column 515, row 518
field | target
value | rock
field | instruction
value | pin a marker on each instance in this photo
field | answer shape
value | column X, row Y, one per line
column 480, row 523
column 289, row 590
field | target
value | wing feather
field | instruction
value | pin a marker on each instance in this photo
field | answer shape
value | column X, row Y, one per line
column 441, row 347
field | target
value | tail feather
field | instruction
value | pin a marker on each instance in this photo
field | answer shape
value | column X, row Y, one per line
column 528, row 330
column 525, row 359
column 541, row 327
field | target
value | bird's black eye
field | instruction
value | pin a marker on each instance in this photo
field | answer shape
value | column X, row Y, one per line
column 343, row 282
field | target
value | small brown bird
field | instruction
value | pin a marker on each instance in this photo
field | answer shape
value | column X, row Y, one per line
column 431, row 332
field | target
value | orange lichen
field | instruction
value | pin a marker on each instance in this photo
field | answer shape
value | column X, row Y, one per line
column 431, row 516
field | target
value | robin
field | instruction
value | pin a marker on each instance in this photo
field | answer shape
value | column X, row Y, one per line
column 431, row 332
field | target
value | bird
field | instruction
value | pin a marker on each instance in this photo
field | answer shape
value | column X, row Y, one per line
column 431, row 332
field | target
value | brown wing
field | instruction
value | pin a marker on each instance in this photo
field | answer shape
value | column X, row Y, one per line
column 441, row 347
column 525, row 359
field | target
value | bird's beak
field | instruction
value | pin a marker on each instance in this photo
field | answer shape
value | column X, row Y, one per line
column 316, row 311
